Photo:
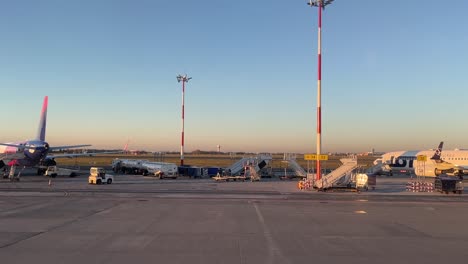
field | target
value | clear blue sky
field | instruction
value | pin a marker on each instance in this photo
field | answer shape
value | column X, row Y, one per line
column 394, row 73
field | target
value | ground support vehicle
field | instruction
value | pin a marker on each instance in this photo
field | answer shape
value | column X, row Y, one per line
column 161, row 169
column 228, row 178
column 53, row 171
column 129, row 166
column 260, row 161
column 98, row 175
column 341, row 177
column 362, row 181
column 252, row 173
column 352, row 182
column 161, row 175
column 447, row 184
column 144, row 167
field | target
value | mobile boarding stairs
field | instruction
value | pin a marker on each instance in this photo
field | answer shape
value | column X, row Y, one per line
column 250, row 166
column 333, row 178
column 292, row 163
column 259, row 161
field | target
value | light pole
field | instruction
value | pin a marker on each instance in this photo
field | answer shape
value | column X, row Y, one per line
column 183, row 79
column 321, row 5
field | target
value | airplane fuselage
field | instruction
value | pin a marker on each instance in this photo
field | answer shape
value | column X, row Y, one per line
column 407, row 160
column 33, row 152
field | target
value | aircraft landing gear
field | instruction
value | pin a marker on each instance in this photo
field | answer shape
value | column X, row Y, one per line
column 12, row 176
column 41, row 171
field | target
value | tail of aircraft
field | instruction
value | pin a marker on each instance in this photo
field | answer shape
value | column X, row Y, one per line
column 438, row 152
column 125, row 149
column 43, row 122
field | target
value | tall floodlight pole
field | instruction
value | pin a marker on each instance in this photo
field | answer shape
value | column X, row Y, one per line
column 183, row 79
column 321, row 5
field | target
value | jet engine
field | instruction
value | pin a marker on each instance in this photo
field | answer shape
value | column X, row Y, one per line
column 432, row 170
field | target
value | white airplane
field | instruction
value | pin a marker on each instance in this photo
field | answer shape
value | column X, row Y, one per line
column 34, row 152
column 436, row 163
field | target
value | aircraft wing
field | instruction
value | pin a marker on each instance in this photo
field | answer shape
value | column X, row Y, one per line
column 16, row 146
column 74, row 155
column 68, row 147
column 11, row 156
column 71, row 155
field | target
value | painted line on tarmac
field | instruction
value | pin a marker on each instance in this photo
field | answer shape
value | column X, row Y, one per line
column 273, row 249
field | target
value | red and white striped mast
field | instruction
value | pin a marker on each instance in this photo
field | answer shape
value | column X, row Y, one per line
column 321, row 5
column 183, row 79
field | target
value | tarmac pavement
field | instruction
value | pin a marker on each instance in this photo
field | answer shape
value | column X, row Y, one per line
column 143, row 220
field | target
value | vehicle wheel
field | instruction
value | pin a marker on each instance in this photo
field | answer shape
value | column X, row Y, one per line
column 72, row 174
column 98, row 182
column 109, row 181
column 53, row 175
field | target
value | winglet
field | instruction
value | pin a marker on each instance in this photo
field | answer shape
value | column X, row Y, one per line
column 438, row 152
column 43, row 122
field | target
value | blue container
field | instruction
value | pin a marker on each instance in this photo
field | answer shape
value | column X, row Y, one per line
column 212, row 171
